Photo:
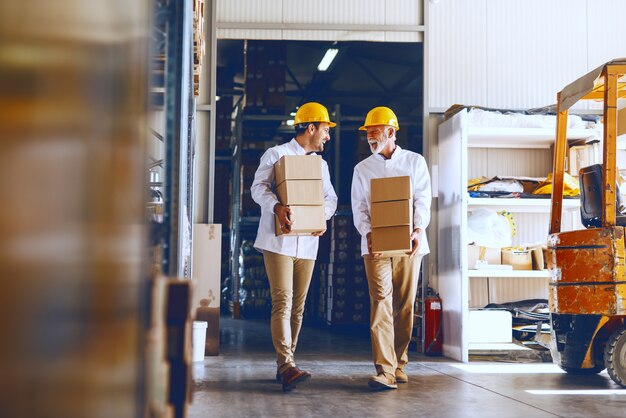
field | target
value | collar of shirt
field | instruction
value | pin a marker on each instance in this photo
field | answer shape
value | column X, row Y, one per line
column 298, row 148
column 395, row 154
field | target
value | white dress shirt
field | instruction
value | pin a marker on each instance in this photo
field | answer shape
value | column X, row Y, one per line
column 263, row 192
column 401, row 163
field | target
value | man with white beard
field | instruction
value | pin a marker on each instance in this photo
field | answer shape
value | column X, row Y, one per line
column 392, row 281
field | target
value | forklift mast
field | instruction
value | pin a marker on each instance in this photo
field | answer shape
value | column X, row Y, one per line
column 601, row 84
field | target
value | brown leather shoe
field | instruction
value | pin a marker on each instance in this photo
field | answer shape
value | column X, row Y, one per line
column 292, row 376
column 401, row 377
column 382, row 382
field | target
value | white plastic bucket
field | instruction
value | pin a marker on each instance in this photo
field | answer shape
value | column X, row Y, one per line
column 199, row 340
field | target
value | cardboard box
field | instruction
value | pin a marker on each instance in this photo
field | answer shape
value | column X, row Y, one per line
column 391, row 188
column 392, row 240
column 478, row 252
column 394, row 213
column 580, row 156
column 536, row 254
column 519, row 259
column 306, row 219
column 298, row 167
column 301, row 192
column 490, row 326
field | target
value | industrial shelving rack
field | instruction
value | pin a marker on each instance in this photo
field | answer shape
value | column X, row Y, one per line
column 171, row 92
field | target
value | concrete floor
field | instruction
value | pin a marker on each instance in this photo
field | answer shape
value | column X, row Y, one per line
column 240, row 383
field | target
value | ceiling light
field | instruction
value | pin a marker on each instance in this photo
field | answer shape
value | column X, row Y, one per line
column 292, row 114
column 329, row 56
column 290, row 122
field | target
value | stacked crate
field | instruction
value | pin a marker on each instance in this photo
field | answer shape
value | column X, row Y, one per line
column 299, row 185
column 391, row 215
column 265, row 77
column 343, row 287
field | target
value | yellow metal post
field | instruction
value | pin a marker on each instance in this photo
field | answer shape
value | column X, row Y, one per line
column 558, row 168
column 609, row 158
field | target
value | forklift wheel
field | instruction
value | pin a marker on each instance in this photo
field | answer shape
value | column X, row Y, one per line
column 582, row 372
column 615, row 357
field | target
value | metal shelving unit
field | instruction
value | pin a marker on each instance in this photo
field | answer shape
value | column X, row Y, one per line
column 172, row 93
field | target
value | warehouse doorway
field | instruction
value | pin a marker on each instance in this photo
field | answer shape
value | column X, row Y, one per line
column 260, row 84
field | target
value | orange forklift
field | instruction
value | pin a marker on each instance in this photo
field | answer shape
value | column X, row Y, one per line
column 587, row 293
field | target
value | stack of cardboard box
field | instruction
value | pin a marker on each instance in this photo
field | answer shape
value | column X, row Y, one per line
column 299, row 186
column 391, row 215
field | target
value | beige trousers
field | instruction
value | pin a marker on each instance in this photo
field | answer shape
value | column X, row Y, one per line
column 289, row 278
column 392, row 285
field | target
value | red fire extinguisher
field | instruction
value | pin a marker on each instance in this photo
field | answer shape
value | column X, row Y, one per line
column 433, row 333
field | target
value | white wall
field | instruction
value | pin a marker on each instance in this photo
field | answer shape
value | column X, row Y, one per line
column 517, row 54
column 341, row 20
column 514, row 54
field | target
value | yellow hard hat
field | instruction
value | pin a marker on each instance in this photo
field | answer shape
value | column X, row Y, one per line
column 312, row 112
column 380, row 115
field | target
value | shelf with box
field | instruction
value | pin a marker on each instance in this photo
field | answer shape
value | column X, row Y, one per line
column 472, row 152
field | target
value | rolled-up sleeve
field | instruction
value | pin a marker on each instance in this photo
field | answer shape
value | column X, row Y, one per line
column 261, row 189
column 330, row 197
column 360, row 204
column 422, row 195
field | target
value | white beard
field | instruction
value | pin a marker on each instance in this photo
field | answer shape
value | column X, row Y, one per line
column 380, row 145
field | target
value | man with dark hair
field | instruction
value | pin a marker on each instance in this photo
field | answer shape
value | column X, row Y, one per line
column 289, row 260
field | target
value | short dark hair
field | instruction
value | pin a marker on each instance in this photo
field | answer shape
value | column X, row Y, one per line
column 302, row 127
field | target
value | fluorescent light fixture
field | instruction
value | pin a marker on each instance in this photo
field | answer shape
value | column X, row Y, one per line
column 217, row 98
column 290, row 122
column 292, row 114
column 329, row 56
